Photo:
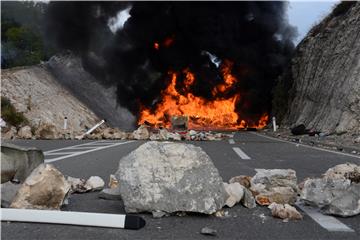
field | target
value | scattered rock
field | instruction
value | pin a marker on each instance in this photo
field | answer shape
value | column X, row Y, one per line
column 208, row 231
column 285, row 211
column 46, row 131
column 357, row 140
column 110, row 194
column 25, row 132
column 10, row 134
column 8, row 192
column 275, row 178
column 141, row 133
column 158, row 214
column 94, row 183
column 170, row 177
column 281, row 195
column 79, row 185
column 45, row 188
column 18, row 162
column 342, row 171
column 299, row 130
column 242, row 179
column 346, row 204
column 113, row 182
column 248, row 199
column 235, row 192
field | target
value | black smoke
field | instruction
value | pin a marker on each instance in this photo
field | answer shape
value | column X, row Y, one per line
column 254, row 35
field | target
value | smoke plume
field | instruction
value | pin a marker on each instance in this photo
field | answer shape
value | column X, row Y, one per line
column 159, row 37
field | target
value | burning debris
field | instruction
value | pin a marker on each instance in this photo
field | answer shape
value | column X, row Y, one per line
column 196, row 64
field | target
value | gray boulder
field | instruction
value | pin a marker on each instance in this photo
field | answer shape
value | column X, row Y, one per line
column 170, row 177
column 334, row 196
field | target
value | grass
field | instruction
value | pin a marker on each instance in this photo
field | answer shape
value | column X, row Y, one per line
column 10, row 115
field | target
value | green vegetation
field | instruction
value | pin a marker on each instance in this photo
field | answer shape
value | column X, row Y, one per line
column 10, row 115
column 22, row 40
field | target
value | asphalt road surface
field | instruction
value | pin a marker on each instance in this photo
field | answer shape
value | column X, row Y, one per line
column 246, row 152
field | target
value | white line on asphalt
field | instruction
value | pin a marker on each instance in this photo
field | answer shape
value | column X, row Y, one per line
column 231, row 141
column 329, row 223
column 304, row 145
column 241, row 153
column 60, row 153
column 54, row 150
column 83, row 152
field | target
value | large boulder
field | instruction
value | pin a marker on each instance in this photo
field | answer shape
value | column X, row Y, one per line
column 45, row 188
column 336, row 196
column 170, row 177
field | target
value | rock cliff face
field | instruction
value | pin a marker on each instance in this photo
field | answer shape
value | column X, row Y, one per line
column 324, row 76
column 36, row 93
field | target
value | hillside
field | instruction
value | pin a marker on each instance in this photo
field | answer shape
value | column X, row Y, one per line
column 322, row 85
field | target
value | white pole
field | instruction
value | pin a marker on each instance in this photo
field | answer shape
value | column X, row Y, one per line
column 94, row 127
column 65, row 123
column 274, row 124
column 72, row 218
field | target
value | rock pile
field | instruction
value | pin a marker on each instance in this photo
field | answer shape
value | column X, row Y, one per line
column 337, row 192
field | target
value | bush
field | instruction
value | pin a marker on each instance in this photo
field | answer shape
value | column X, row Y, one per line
column 10, row 115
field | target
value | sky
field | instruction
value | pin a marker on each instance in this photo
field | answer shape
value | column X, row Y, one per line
column 305, row 14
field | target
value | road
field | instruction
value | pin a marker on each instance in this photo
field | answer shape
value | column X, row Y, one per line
column 240, row 156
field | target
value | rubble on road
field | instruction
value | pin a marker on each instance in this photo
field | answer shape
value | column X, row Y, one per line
column 44, row 188
column 235, row 192
column 336, row 192
column 274, row 185
column 46, row 131
column 284, row 211
column 208, row 231
column 242, row 179
column 79, row 185
column 170, row 177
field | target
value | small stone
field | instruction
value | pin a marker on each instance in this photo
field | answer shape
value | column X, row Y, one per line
column 77, row 184
column 248, row 200
column 235, row 192
column 208, row 231
column 25, row 132
column 158, row 214
column 10, row 134
column 94, row 183
column 110, row 194
column 113, row 182
column 242, row 179
column 219, row 213
column 285, row 211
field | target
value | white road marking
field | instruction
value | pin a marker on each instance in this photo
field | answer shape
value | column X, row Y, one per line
column 231, row 141
column 241, row 153
column 304, row 145
column 329, row 223
column 82, row 152
column 69, row 147
column 60, row 153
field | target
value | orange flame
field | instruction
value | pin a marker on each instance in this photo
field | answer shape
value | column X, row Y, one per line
column 218, row 113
